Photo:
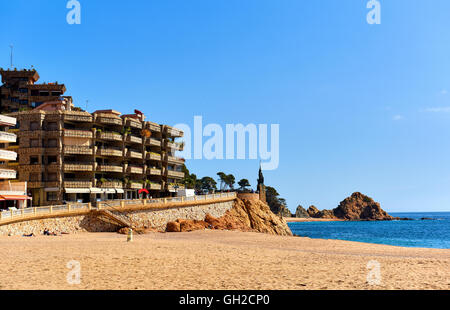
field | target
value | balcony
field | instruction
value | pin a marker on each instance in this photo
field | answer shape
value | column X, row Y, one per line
column 152, row 156
column 7, row 121
column 109, row 168
column 133, row 139
column 111, row 136
column 6, row 137
column 174, row 188
column 78, row 133
column 77, row 184
column 78, row 167
column 154, row 186
column 175, row 174
column 173, row 132
column 7, row 155
column 134, row 154
column 134, row 185
column 135, row 170
column 133, row 123
column 110, row 152
column 35, row 184
column 109, row 120
column 153, row 171
column 153, row 127
column 74, row 116
column 152, row 142
column 174, row 159
column 7, row 174
column 77, row 150
column 111, row 184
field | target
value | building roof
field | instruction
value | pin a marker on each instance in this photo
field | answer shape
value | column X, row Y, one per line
column 7, row 74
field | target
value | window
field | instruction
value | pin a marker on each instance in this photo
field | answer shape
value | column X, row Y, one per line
column 34, row 142
column 34, row 126
column 52, row 196
column 34, row 160
column 34, row 177
column 52, row 160
column 52, row 177
column 52, row 143
column 52, row 126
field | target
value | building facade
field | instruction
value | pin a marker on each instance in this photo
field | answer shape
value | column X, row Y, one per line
column 12, row 193
column 69, row 155
column 20, row 91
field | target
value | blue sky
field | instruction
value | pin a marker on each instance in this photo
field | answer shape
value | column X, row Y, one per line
column 361, row 107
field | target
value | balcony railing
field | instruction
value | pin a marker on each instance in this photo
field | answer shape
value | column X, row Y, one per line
column 153, row 127
column 134, row 154
column 109, row 136
column 153, row 171
column 109, row 120
column 110, row 184
column 7, row 155
column 6, row 137
column 173, row 188
column 153, row 156
column 110, row 152
column 78, row 117
column 77, row 133
column 133, row 139
column 154, row 186
column 135, row 185
column 109, row 168
column 133, row 123
column 153, row 142
column 78, row 150
column 78, row 184
column 7, row 174
column 174, row 159
column 135, row 170
column 176, row 174
column 78, row 167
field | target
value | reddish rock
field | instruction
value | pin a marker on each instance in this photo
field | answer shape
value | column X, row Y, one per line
column 246, row 215
column 173, row 227
column 355, row 207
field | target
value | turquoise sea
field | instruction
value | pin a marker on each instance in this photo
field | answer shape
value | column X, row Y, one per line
column 416, row 233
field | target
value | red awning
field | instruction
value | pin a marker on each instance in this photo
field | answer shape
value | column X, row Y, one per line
column 14, row 197
column 143, row 191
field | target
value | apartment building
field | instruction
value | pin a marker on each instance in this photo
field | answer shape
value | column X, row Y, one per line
column 12, row 193
column 70, row 155
column 20, row 91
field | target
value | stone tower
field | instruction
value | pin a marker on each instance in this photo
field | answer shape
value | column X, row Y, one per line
column 261, row 186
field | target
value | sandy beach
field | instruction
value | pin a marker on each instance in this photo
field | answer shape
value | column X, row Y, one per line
column 215, row 260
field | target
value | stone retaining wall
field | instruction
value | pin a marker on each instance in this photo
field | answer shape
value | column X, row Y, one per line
column 89, row 223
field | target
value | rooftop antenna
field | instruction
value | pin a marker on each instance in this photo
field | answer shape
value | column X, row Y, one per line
column 12, row 47
column 87, row 102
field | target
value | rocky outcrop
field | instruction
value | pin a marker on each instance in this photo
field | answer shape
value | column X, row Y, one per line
column 355, row 207
column 301, row 212
column 281, row 210
column 246, row 215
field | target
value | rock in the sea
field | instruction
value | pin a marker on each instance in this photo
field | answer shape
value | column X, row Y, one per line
column 355, row 207
column 301, row 212
column 360, row 207
column 246, row 215
column 313, row 211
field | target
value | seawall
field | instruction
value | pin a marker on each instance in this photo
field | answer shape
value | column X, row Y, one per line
column 149, row 218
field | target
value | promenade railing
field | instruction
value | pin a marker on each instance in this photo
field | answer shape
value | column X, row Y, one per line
column 74, row 208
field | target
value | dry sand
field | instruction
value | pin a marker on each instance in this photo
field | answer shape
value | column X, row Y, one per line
column 215, row 260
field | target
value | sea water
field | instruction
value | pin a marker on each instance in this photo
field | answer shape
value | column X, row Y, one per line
column 433, row 233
